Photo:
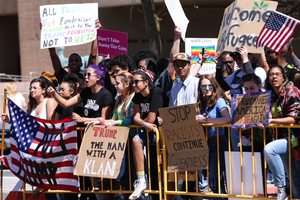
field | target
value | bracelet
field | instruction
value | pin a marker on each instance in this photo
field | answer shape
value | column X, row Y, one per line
column 199, row 62
column 144, row 124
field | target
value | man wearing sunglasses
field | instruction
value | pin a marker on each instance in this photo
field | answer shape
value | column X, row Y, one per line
column 275, row 58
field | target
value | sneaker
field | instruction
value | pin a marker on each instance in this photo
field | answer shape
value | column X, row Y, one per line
column 282, row 194
column 139, row 187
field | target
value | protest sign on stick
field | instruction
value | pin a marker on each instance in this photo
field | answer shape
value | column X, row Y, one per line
column 185, row 139
column 193, row 46
column 102, row 151
column 178, row 16
column 111, row 42
column 68, row 24
column 242, row 23
column 250, row 109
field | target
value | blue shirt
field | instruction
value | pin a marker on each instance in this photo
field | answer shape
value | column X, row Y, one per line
column 184, row 92
column 215, row 112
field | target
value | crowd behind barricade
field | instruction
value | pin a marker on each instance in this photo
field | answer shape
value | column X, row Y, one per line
column 122, row 91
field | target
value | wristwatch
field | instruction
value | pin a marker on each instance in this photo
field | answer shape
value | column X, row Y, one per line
column 199, row 62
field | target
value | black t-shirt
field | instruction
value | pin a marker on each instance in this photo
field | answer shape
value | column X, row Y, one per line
column 94, row 102
column 156, row 99
column 67, row 112
column 290, row 71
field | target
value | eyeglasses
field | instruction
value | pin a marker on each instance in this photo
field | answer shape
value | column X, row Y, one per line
column 228, row 62
column 33, row 88
column 62, row 90
column 89, row 75
column 275, row 74
column 210, row 86
column 137, row 81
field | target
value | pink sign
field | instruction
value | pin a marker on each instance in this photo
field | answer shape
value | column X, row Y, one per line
column 111, row 42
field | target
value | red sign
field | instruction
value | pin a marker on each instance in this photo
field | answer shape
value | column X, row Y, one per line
column 111, row 42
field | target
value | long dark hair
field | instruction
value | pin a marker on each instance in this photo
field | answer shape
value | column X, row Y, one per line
column 286, row 83
column 216, row 94
column 32, row 101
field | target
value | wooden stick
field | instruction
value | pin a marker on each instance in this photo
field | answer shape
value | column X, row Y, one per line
column 2, row 145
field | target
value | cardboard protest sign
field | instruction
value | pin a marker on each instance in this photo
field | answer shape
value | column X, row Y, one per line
column 111, row 42
column 193, row 46
column 242, row 23
column 250, row 109
column 68, row 24
column 186, row 144
column 102, row 151
column 178, row 16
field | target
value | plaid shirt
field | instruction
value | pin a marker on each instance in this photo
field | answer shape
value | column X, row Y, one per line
column 290, row 102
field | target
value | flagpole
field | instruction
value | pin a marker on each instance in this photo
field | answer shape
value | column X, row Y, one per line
column 2, row 144
column 279, row 13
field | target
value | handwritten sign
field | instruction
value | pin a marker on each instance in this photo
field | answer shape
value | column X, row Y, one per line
column 185, row 140
column 68, row 24
column 193, row 46
column 250, row 109
column 111, row 42
column 242, row 23
column 177, row 15
column 102, row 151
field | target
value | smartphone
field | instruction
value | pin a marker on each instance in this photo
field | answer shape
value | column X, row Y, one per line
column 203, row 50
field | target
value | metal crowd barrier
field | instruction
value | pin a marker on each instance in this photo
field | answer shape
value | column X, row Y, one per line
column 112, row 183
column 165, row 192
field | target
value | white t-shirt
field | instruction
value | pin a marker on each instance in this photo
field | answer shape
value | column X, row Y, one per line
column 18, row 99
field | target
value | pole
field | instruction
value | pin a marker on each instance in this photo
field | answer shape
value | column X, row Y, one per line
column 2, row 144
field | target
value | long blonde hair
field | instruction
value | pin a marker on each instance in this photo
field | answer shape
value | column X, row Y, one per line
column 126, row 77
column 11, row 89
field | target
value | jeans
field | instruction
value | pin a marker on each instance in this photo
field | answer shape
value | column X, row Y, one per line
column 277, row 157
column 213, row 163
column 235, row 139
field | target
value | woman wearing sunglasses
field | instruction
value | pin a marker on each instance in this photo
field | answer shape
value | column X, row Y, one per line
column 147, row 100
column 285, row 107
column 97, row 100
column 213, row 110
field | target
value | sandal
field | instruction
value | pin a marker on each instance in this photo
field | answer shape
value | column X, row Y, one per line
column 38, row 191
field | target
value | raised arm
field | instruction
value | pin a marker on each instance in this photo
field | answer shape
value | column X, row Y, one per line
column 93, row 54
column 63, row 102
column 175, row 49
column 198, row 65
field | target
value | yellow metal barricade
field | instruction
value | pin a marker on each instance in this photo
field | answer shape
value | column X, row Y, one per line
column 168, row 192
column 112, row 188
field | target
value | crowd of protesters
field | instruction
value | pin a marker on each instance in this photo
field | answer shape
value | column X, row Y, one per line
column 122, row 91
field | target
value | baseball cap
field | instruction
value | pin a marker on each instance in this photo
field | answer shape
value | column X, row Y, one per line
column 182, row 56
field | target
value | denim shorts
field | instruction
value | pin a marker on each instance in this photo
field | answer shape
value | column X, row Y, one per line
column 142, row 136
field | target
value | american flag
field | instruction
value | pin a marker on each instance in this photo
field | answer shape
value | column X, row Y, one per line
column 42, row 151
column 277, row 31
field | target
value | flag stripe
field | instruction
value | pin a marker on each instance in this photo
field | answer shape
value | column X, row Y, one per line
column 277, row 30
column 40, row 146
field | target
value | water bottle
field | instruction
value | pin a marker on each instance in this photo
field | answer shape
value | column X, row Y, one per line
column 296, row 150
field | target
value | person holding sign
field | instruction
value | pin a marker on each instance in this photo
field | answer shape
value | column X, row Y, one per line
column 74, row 61
column 214, row 110
column 147, row 100
column 285, row 106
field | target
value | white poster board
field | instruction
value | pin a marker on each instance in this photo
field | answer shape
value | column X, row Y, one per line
column 178, row 16
column 68, row 24
column 194, row 45
column 247, row 174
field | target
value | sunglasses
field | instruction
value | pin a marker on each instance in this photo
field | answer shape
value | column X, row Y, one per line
column 228, row 62
column 89, row 75
column 137, row 81
column 210, row 86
